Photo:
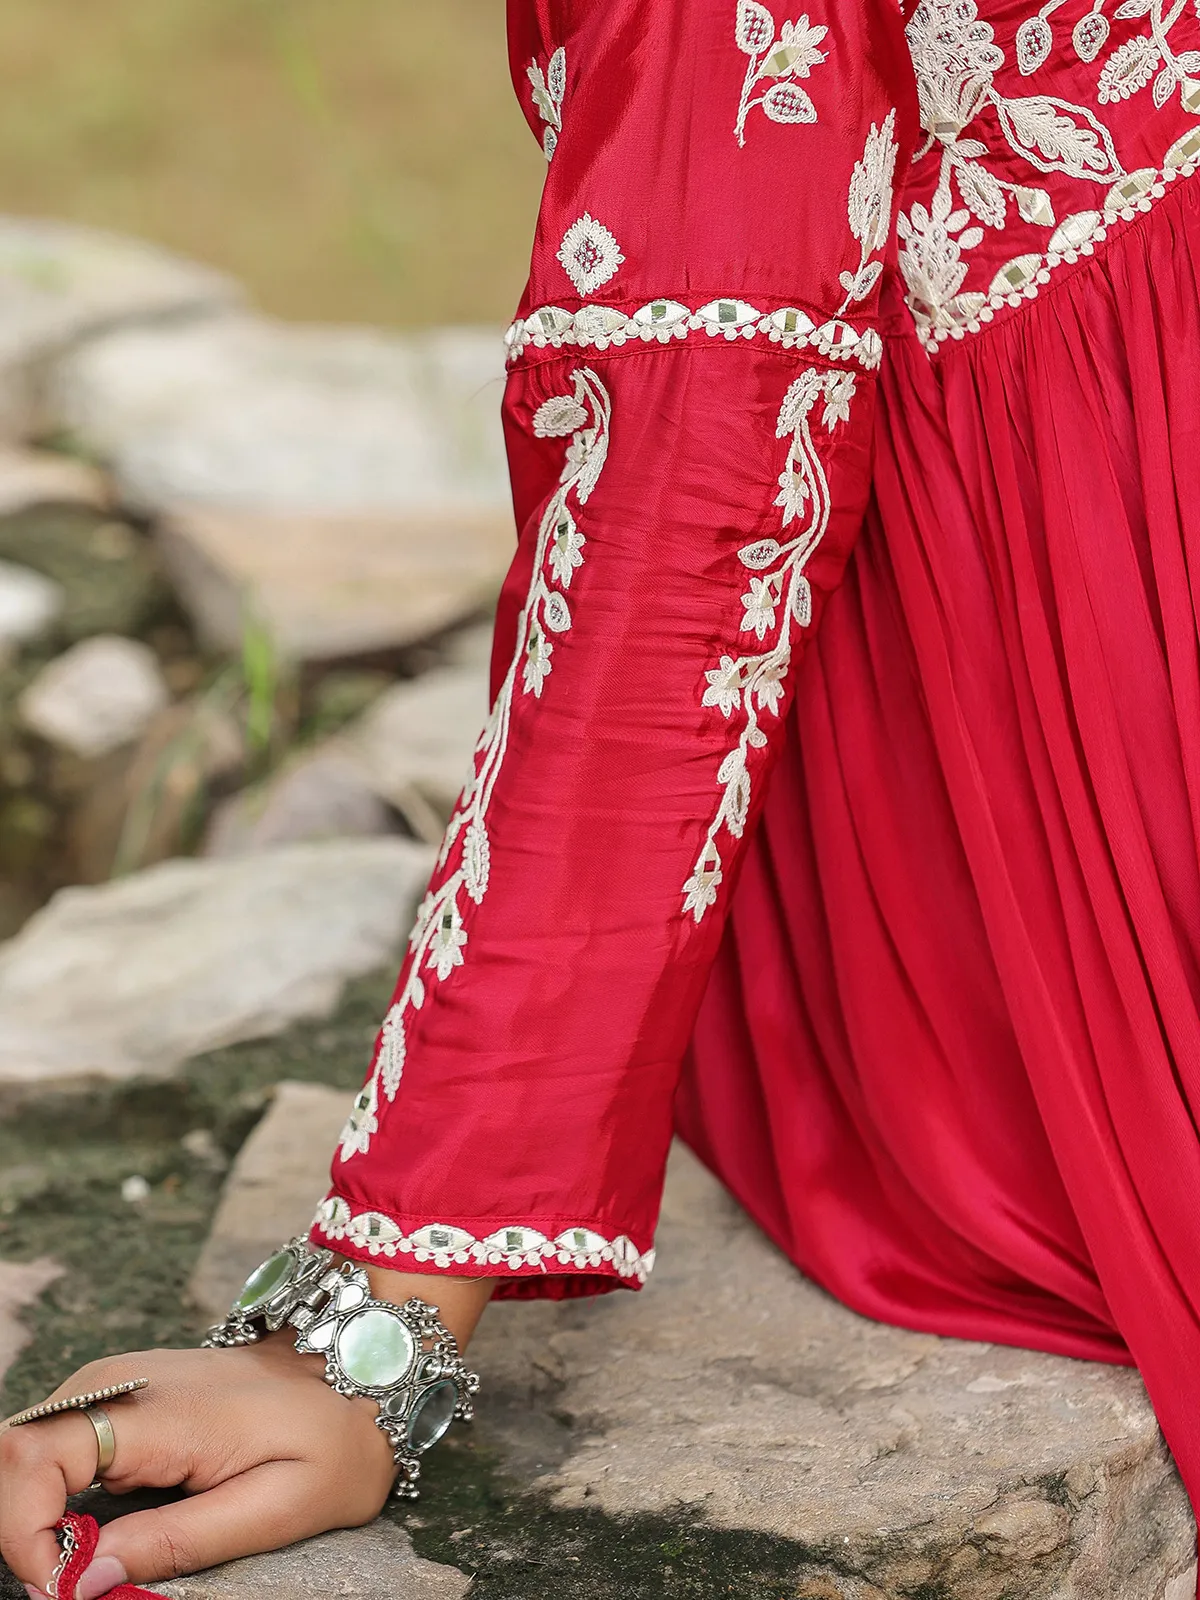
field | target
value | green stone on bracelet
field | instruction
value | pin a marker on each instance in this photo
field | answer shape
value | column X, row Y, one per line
column 375, row 1348
column 266, row 1281
column 432, row 1415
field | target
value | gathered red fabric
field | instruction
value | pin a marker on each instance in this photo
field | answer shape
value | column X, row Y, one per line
column 79, row 1535
column 870, row 340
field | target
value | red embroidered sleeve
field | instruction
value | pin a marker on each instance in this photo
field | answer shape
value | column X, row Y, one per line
column 689, row 419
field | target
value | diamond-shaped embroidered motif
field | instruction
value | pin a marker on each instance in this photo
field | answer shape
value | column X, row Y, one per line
column 589, row 254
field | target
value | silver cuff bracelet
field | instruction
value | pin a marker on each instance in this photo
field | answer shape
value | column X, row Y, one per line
column 399, row 1356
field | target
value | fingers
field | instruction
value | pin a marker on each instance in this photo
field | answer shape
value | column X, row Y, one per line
column 262, row 1509
column 40, row 1465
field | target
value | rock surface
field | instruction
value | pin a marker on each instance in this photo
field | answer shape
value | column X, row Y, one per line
column 414, row 745
column 319, row 796
column 334, row 585
column 137, row 975
column 899, row 1462
column 272, row 1190
column 375, row 1563
column 41, row 477
column 60, row 282
column 471, row 647
column 29, row 603
column 245, row 413
column 100, row 694
column 105, row 568
column 734, row 1391
column 21, row 1283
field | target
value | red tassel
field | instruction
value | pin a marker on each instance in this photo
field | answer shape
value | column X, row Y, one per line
column 83, row 1533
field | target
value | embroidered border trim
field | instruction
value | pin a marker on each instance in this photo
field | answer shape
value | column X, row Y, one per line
column 1078, row 235
column 660, row 321
column 514, row 1247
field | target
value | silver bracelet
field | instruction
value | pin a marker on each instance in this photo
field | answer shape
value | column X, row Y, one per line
column 402, row 1357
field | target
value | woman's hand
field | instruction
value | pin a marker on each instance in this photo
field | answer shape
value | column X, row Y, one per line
column 269, row 1452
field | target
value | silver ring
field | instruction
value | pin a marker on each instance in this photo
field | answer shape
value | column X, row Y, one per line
column 105, row 1438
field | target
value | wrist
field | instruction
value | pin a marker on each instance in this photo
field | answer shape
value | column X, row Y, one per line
column 460, row 1301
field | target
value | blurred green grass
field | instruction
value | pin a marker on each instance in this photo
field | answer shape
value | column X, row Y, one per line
column 357, row 160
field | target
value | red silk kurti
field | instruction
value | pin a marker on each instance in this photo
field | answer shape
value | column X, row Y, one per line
column 839, row 801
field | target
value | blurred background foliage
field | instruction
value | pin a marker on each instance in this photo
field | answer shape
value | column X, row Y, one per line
column 350, row 160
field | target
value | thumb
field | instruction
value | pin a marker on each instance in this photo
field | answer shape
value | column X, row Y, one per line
column 261, row 1509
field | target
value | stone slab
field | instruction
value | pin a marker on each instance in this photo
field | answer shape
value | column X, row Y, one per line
column 137, row 975
column 246, row 413
column 29, row 603
column 375, row 1563
column 61, row 282
column 418, row 739
column 21, row 1284
column 471, row 646
column 338, row 584
column 42, row 477
column 100, row 694
column 735, row 1390
column 320, row 795
column 271, row 1192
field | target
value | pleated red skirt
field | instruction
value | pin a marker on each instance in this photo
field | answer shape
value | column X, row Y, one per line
column 950, row 1055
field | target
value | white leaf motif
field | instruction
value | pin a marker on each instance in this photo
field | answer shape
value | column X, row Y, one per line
column 1128, row 69
column 1034, row 44
column 788, row 102
column 556, row 75
column 760, row 555
column 557, row 614
column 860, row 286
column 755, row 28
column 559, row 415
column 733, row 765
column 1090, row 35
column 1164, row 86
column 982, row 193
column 1056, row 136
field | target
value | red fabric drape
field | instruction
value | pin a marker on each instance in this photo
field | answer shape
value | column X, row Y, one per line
column 949, row 1055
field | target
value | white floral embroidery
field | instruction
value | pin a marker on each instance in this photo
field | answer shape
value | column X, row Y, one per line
column 548, row 92
column 589, row 254
column 931, row 245
column 514, row 1246
column 440, row 938
column 793, row 55
column 870, row 206
column 1132, row 65
column 956, row 59
column 778, row 600
column 661, row 321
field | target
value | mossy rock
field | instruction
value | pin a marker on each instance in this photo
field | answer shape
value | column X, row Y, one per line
column 107, row 569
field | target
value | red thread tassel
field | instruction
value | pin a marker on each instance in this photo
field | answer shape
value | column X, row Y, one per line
column 86, row 1531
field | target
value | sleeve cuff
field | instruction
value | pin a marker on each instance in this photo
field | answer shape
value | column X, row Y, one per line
column 533, row 1259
